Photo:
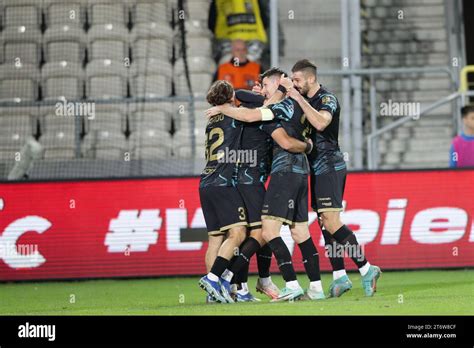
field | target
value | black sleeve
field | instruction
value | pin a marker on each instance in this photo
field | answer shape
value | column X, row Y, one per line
column 286, row 109
column 249, row 99
column 270, row 126
column 328, row 103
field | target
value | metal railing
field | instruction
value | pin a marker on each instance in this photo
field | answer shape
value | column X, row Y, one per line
column 372, row 150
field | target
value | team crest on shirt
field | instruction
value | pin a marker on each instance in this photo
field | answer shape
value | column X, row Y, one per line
column 326, row 99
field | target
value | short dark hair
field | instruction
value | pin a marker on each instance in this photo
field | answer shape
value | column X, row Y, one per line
column 273, row 72
column 305, row 65
column 466, row 110
column 220, row 92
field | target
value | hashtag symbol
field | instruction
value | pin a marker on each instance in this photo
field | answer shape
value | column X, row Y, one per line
column 133, row 230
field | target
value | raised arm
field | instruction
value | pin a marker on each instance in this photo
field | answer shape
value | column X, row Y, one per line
column 279, row 95
column 318, row 119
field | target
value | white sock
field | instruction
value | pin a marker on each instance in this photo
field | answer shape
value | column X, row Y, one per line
column 213, row 277
column 266, row 281
column 338, row 274
column 364, row 269
column 293, row 284
column 245, row 287
column 227, row 275
column 317, row 286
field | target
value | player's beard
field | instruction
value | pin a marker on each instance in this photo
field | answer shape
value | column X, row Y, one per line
column 304, row 89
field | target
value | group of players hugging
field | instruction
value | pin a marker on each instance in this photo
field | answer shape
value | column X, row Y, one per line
column 289, row 126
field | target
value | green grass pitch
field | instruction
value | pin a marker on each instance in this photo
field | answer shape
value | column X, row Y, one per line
column 446, row 292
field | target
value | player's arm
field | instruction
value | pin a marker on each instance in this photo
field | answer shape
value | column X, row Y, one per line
column 291, row 144
column 318, row 119
column 241, row 113
column 279, row 95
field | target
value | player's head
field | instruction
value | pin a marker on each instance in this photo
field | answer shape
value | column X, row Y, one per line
column 467, row 113
column 304, row 75
column 221, row 92
column 270, row 80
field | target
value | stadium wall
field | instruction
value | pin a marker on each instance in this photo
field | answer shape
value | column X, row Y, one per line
column 138, row 227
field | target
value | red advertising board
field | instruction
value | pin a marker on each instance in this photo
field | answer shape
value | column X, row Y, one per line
column 123, row 228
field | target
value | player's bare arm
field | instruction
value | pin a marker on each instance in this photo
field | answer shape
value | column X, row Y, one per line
column 291, row 144
column 318, row 119
column 241, row 113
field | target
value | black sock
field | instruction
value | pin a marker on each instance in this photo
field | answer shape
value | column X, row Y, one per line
column 247, row 250
column 348, row 239
column 334, row 250
column 310, row 259
column 283, row 257
column 264, row 261
column 232, row 261
column 243, row 274
column 219, row 266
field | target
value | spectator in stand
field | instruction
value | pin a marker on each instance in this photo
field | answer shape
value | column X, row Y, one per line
column 239, row 71
column 246, row 20
column 462, row 147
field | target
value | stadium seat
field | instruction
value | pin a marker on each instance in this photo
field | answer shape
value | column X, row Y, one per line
column 201, row 71
column 197, row 10
column 61, row 80
column 151, row 144
column 65, row 12
column 108, row 11
column 58, row 146
column 11, row 142
column 21, row 13
column 152, row 40
column 200, row 83
column 108, row 41
column 106, row 79
column 102, row 144
column 150, row 78
column 200, row 120
column 18, row 82
column 64, row 42
column 18, row 122
column 198, row 40
column 156, row 114
column 182, row 145
column 21, row 44
column 147, row 11
column 52, row 121
column 108, row 117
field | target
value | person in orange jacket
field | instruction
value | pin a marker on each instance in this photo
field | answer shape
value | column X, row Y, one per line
column 239, row 71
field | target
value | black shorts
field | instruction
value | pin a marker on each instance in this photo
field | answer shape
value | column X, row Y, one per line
column 286, row 199
column 223, row 208
column 253, row 197
column 327, row 191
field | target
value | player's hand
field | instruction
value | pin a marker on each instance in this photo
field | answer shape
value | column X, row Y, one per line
column 257, row 88
column 215, row 110
column 293, row 93
column 286, row 82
